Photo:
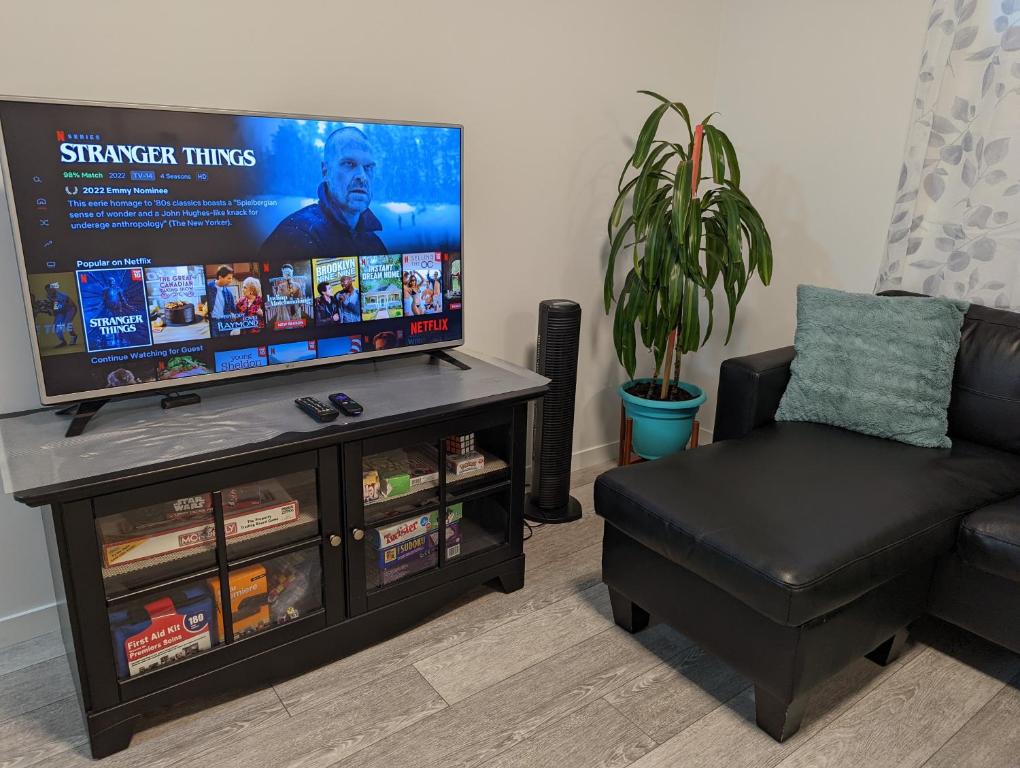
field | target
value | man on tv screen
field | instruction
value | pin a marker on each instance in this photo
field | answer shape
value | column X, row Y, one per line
column 341, row 222
column 221, row 299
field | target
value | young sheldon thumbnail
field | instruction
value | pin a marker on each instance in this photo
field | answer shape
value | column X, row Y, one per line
column 241, row 359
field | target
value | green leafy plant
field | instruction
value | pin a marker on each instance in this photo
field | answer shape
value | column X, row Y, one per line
column 685, row 244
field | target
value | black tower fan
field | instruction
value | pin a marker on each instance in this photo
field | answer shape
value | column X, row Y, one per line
column 559, row 329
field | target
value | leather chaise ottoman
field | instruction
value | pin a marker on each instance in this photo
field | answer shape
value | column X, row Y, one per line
column 792, row 551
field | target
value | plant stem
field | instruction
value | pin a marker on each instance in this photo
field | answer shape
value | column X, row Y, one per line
column 674, row 338
column 676, row 365
column 664, row 389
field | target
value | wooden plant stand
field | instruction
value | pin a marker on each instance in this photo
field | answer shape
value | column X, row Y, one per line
column 627, row 455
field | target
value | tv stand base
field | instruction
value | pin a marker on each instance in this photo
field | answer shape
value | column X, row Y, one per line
column 177, row 399
column 439, row 355
column 80, row 414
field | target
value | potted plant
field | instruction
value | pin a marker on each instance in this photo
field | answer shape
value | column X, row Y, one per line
column 686, row 242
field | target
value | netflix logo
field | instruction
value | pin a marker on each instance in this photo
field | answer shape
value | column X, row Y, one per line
column 430, row 326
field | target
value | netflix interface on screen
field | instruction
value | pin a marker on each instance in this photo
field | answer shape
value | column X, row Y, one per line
column 162, row 244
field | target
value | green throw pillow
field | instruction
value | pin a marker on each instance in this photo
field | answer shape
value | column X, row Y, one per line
column 879, row 365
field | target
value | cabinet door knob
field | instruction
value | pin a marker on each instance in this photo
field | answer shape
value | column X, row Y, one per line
column 335, row 540
column 358, row 534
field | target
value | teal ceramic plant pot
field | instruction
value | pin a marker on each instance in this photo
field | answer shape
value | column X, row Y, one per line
column 661, row 428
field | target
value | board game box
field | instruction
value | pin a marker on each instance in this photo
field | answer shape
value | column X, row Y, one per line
column 454, row 515
column 249, row 601
column 396, row 473
column 120, row 547
column 410, row 546
column 462, row 463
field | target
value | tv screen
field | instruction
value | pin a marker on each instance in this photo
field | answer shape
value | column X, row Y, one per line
column 164, row 247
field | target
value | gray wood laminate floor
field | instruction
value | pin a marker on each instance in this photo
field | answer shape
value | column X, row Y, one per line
column 542, row 677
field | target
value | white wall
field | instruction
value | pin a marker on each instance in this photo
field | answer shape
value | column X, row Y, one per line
column 545, row 90
column 816, row 96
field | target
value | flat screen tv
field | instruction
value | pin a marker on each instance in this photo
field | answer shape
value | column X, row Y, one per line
column 162, row 247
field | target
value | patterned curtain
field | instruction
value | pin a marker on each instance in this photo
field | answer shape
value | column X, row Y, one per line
column 955, row 228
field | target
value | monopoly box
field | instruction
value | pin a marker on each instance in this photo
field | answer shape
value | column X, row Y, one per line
column 122, row 543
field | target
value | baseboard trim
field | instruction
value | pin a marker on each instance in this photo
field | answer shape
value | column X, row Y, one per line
column 19, row 627
column 594, row 456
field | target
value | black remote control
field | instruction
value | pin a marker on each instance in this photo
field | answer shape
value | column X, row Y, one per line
column 345, row 404
column 317, row 409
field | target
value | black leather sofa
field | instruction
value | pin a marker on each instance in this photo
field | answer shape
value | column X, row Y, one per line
column 791, row 549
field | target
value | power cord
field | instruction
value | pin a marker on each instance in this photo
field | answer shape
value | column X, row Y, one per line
column 530, row 528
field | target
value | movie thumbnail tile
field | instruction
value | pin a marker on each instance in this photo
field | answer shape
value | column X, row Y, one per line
column 422, row 283
column 289, row 295
column 381, row 286
column 122, row 374
column 113, row 307
column 54, row 304
column 452, row 280
column 178, row 310
column 184, row 365
column 234, row 297
column 292, row 352
column 241, row 359
column 337, row 291
column 339, row 346
column 376, row 342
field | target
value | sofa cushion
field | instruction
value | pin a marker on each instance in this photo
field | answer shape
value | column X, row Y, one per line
column 990, row 539
column 877, row 365
column 985, row 406
column 798, row 519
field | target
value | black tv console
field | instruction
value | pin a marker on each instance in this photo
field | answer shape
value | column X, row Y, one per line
column 314, row 540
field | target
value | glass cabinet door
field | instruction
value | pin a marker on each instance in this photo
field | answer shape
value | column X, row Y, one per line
column 239, row 554
column 478, row 523
column 156, row 542
column 269, row 513
column 270, row 592
column 432, row 499
column 400, row 498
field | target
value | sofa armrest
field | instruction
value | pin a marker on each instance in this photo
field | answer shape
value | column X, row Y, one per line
column 750, row 388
